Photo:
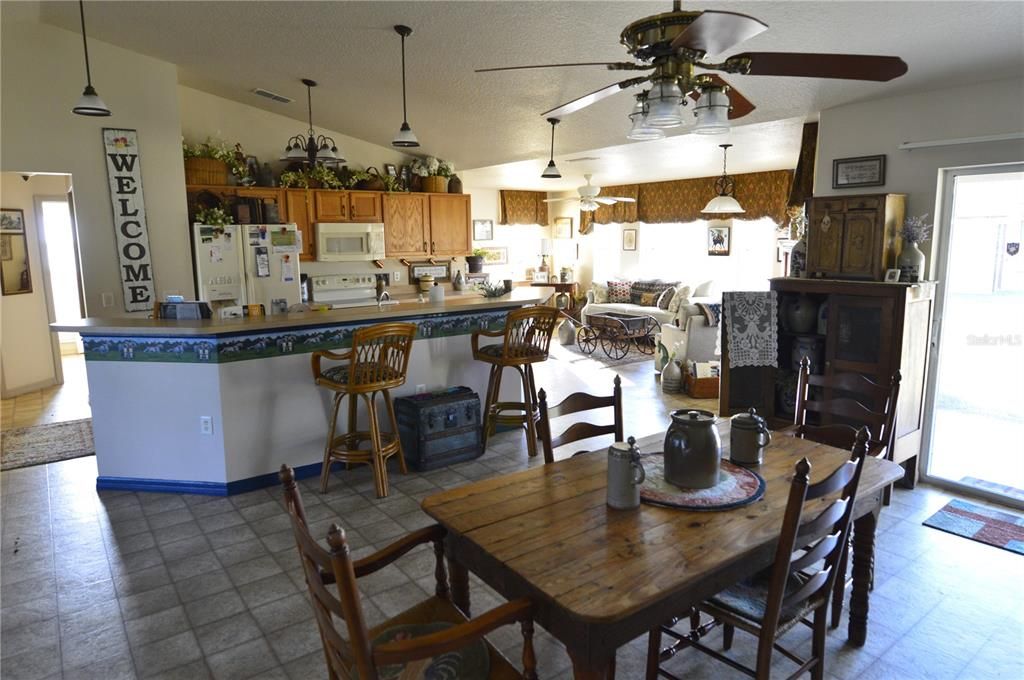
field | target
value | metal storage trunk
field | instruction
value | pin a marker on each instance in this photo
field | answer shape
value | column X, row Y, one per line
column 439, row 428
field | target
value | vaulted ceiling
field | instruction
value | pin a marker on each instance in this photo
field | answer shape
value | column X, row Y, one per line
column 480, row 120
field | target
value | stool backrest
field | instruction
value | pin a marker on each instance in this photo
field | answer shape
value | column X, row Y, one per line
column 380, row 355
column 528, row 333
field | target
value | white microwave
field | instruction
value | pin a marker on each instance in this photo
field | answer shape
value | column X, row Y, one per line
column 349, row 242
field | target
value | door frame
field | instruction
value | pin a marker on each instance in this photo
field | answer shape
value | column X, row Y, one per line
column 44, row 255
column 939, row 270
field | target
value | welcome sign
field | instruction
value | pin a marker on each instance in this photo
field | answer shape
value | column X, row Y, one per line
column 124, row 171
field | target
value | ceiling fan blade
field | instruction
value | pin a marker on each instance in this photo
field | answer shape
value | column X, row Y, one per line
column 588, row 99
column 615, row 199
column 813, row 65
column 559, row 200
column 605, row 200
column 715, row 32
column 741, row 106
column 611, row 65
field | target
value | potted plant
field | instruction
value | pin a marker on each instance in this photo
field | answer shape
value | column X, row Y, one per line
column 209, row 162
column 311, row 178
column 216, row 217
column 430, row 170
column 475, row 262
column 367, row 180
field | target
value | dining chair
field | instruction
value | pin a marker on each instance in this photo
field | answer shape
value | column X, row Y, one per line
column 431, row 639
column 577, row 403
column 827, row 400
column 796, row 586
column 375, row 364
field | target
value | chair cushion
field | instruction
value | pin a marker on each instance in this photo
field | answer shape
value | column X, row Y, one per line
column 472, row 661
column 497, row 351
column 748, row 599
column 339, row 374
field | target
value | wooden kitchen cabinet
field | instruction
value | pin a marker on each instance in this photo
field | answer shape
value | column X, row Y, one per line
column 853, row 237
column 406, row 225
column 364, row 206
column 450, row 226
column 297, row 203
column 347, row 206
column 330, row 206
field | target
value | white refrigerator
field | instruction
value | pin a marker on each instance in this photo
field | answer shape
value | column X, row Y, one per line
column 246, row 264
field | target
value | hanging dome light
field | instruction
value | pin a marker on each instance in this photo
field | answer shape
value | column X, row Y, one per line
column 405, row 138
column 712, row 112
column 89, row 104
column 724, row 203
column 551, row 172
column 665, row 102
column 641, row 130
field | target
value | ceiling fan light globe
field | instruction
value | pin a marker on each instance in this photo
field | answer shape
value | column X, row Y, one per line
column 551, row 172
column 665, row 105
column 588, row 205
column 641, row 131
column 406, row 138
column 725, row 205
column 90, row 104
column 712, row 113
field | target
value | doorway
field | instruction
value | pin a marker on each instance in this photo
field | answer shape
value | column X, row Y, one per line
column 976, row 423
column 57, row 238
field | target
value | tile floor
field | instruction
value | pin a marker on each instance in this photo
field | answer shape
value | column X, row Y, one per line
column 114, row 585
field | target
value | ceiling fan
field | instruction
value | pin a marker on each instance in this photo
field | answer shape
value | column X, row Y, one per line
column 672, row 45
column 589, row 198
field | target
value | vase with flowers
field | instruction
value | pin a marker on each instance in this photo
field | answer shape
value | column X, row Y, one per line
column 433, row 174
column 911, row 261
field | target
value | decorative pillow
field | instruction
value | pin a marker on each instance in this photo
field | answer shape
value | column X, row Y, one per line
column 618, row 291
column 680, row 294
column 712, row 312
column 705, row 289
column 653, row 286
column 665, row 298
column 600, row 292
column 649, row 299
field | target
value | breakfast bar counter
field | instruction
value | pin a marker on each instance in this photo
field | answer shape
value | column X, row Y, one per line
column 215, row 406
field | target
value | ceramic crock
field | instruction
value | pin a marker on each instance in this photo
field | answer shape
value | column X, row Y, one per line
column 693, row 450
column 748, row 435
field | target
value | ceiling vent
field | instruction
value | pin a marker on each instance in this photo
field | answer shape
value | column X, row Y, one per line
column 583, row 158
column 271, row 95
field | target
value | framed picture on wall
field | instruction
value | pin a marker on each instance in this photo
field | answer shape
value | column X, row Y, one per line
column 863, row 171
column 719, row 238
column 563, row 227
column 390, row 169
column 12, row 221
column 495, row 255
column 483, row 230
column 629, row 239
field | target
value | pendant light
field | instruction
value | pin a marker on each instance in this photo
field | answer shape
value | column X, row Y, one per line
column 312, row 149
column 724, row 203
column 551, row 172
column 641, row 130
column 89, row 104
column 712, row 112
column 405, row 138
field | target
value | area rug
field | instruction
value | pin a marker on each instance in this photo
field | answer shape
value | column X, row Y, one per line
column 41, row 444
column 736, row 487
column 575, row 354
column 1001, row 529
column 1002, row 489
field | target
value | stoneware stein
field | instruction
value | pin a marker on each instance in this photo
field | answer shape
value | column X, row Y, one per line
column 748, row 436
column 693, row 450
column 625, row 475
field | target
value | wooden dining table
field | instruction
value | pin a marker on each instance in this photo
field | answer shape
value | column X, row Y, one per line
column 600, row 577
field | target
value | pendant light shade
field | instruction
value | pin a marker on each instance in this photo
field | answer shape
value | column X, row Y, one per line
column 89, row 104
column 712, row 112
column 724, row 203
column 311, row 148
column 665, row 101
column 405, row 138
column 641, row 130
column 551, row 172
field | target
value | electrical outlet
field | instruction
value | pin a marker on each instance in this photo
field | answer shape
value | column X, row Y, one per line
column 205, row 425
column 107, row 299
column 396, row 276
column 421, row 389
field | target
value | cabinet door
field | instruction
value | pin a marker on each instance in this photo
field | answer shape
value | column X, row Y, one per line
column 297, row 203
column 406, row 225
column 860, row 336
column 331, row 206
column 269, row 198
column 364, row 206
column 825, row 242
column 450, row 226
column 861, row 232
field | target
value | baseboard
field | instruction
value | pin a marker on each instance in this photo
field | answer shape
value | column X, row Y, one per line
column 25, row 389
column 201, row 488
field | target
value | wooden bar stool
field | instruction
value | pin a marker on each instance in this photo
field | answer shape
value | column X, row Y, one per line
column 527, row 336
column 377, row 362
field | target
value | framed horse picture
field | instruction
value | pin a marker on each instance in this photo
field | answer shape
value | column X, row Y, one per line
column 719, row 238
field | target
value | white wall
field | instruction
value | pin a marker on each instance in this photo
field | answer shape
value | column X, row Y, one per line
column 878, row 127
column 26, row 353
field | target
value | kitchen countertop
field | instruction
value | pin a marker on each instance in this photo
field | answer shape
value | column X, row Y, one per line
column 138, row 326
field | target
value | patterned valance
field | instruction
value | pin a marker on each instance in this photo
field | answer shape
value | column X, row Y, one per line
column 803, row 178
column 762, row 194
column 620, row 213
column 523, row 207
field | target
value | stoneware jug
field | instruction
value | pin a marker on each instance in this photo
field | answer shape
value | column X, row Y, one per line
column 625, row 475
column 748, row 436
column 693, row 450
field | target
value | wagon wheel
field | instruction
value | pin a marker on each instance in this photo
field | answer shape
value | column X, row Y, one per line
column 586, row 338
column 645, row 342
column 615, row 344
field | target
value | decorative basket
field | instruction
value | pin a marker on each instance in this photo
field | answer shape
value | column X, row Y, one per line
column 373, row 184
column 206, row 171
column 435, row 184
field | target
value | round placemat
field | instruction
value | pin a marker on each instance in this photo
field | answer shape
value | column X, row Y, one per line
column 737, row 486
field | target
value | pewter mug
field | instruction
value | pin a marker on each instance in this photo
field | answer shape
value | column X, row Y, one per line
column 625, row 475
column 693, row 450
column 748, row 436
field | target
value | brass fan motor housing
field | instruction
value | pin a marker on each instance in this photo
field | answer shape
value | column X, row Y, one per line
column 651, row 37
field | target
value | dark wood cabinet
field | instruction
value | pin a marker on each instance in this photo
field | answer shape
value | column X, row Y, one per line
column 870, row 328
column 852, row 237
